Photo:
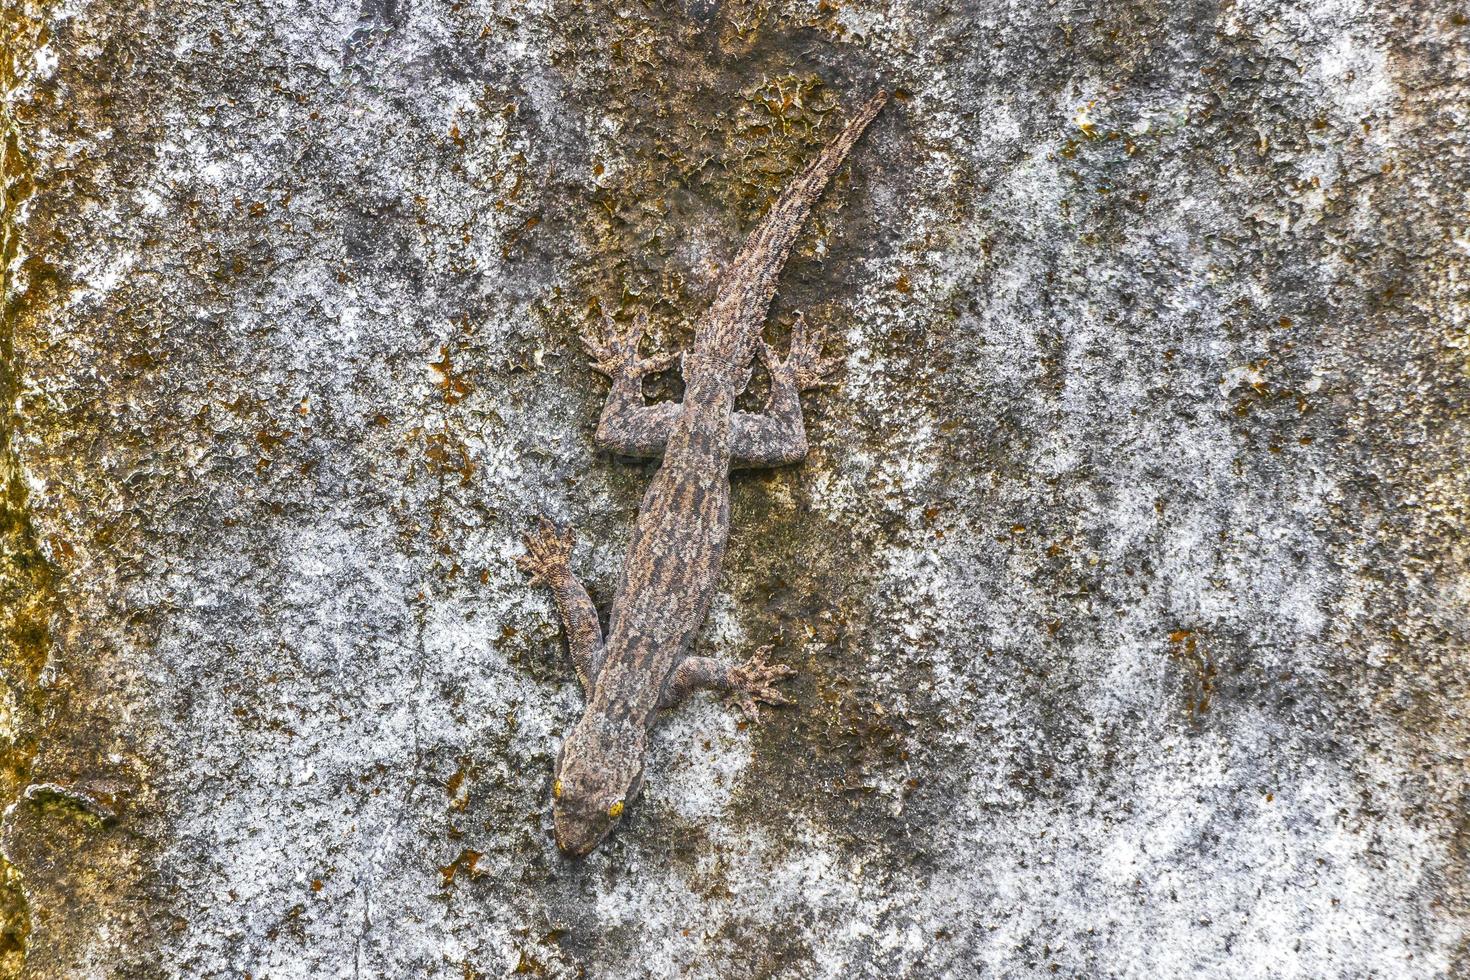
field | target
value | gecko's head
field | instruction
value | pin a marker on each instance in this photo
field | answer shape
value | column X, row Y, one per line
column 598, row 776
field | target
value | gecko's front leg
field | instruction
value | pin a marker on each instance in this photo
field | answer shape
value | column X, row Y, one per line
column 548, row 561
column 777, row 436
column 751, row 682
column 628, row 425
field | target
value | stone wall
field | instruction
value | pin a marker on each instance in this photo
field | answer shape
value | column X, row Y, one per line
column 1127, row 578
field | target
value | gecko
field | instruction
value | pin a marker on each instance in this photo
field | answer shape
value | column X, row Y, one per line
column 672, row 564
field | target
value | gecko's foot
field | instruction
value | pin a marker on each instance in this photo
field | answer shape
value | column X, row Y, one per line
column 548, row 552
column 804, row 366
column 754, row 682
column 614, row 349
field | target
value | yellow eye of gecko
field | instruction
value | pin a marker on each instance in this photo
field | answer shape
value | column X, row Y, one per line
column 616, row 810
column 556, row 789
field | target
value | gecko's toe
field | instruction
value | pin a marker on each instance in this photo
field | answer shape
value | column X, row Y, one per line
column 750, row 709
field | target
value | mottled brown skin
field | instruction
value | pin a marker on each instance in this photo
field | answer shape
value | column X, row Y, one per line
column 673, row 560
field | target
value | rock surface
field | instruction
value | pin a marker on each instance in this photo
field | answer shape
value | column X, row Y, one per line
column 1127, row 578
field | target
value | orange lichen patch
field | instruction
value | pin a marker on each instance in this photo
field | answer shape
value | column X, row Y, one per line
column 528, row 964
column 1184, row 647
column 452, row 785
column 452, row 385
column 270, row 440
column 457, row 787
column 464, row 863
column 445, row 454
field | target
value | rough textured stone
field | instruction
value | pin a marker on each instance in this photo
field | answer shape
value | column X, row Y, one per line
column 1127, row 578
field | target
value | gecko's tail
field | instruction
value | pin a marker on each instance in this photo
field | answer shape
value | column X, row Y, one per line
column 749, row 284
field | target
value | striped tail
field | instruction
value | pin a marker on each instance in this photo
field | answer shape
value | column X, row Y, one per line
column 734, row 320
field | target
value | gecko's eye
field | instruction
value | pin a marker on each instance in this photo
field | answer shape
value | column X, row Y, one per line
column 616, row 810
column 556, row 789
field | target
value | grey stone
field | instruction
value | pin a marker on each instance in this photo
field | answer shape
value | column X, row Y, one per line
column 1127, row 578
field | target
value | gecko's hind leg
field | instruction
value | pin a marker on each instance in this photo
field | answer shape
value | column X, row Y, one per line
column 777, row 436
column 627, row 425
column 750, row 682
column 548, row 561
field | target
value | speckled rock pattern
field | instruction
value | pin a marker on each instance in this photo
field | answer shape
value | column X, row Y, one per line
column 1127, row 578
